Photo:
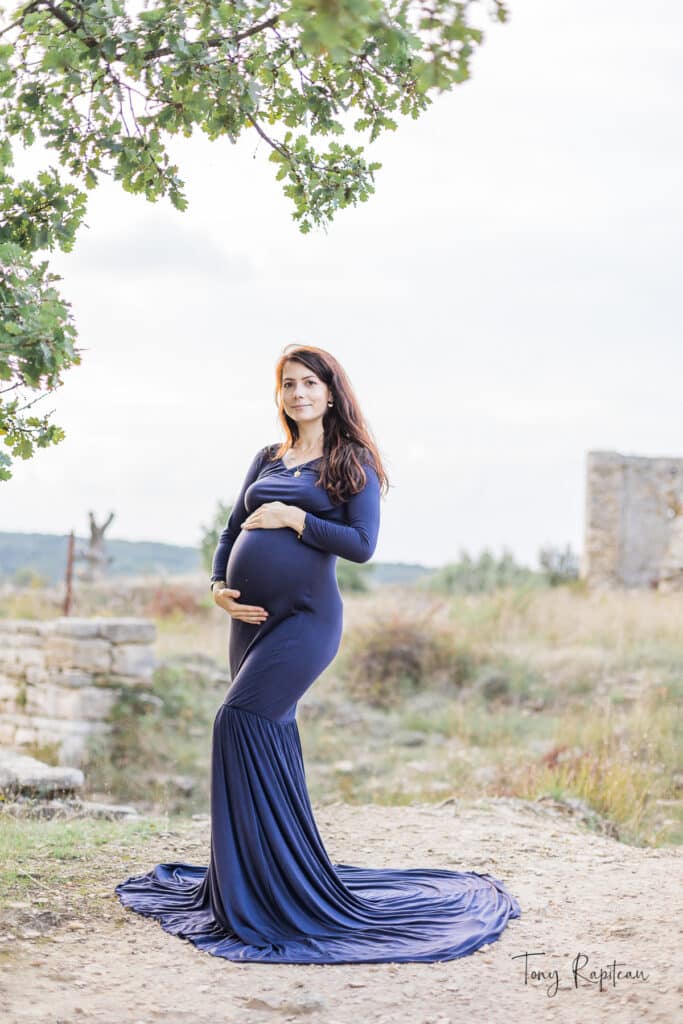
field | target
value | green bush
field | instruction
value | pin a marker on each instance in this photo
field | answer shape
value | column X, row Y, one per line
column 30, row 578
column 482, row 575
column 559, row 565
column 157, row 751
column 353, row 577
column 400, row 653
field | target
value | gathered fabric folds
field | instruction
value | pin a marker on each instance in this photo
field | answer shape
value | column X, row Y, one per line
column 270, row 892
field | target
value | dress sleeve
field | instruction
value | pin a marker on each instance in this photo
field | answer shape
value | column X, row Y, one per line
column 237, row 515
column 357, row 540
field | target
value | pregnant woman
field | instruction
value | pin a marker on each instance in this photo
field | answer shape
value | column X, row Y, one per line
column 270, row 891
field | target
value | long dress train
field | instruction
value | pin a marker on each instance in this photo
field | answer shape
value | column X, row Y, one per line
column 270, row 892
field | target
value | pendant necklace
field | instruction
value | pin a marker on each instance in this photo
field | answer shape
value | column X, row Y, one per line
column 297, row 471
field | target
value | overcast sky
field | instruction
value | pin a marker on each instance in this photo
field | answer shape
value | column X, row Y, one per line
column 509, row 299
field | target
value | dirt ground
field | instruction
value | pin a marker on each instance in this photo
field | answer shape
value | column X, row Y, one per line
column 582, row 895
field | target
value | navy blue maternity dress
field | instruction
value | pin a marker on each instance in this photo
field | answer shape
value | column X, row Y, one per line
column 270, row 892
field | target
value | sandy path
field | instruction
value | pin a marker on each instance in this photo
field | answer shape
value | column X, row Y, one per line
column 580, row 893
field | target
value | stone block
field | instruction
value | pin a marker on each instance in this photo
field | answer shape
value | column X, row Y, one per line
column 74, row 750
column 88, row 703
column 37, row 674
column 38, row 627
column 68, row 652
column 123, row 682
column 72, row 677
column 117, row 630
column 80, row 629
column 24, row 736
column 128, row 631
column 27, row 656
column 8, row 656
column 24, row 640
column 94, row 703
column 7, row 731
column 133, row 660
column 20, row 774
column 8, row 697
column 15, row 660
column 61, row 727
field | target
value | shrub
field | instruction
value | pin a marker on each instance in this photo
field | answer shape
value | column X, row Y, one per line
column 169, row 601
column 353, row 577
column 158, row 749
column 399, row 653
column 482, row 575
column 559, row 566
column 210, row 534
column 27, row 576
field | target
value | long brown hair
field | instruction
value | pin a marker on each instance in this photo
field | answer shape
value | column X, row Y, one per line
column 348, row 440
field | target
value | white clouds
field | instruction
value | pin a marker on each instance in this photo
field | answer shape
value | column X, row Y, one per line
column 157, row 248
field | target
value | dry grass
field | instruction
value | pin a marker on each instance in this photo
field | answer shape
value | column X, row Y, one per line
column 567, row 694
column 620, row 623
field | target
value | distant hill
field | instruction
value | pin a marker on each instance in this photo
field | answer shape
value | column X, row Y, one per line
column 46, row 554
column 399, row 572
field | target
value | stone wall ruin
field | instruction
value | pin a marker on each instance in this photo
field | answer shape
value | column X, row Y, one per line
column 633, row 521
column 59, row 678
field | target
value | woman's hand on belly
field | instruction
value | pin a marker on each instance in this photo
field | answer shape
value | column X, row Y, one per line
column 225, row 599
column 273, row 515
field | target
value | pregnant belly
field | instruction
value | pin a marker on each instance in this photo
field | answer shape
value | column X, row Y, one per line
column 276, row 570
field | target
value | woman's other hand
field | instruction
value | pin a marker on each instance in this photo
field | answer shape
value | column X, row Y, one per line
column 274, row 515
column 271, row 515
column 225, row 599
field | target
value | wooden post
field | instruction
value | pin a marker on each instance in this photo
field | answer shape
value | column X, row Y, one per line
column 69, row 573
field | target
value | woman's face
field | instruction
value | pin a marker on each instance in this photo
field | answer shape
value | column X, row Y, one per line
column 304, row 395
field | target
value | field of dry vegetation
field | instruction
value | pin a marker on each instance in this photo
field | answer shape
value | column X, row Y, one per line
column 550, row 693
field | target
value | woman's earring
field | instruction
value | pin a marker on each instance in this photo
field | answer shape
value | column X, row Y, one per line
column 330, row 403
